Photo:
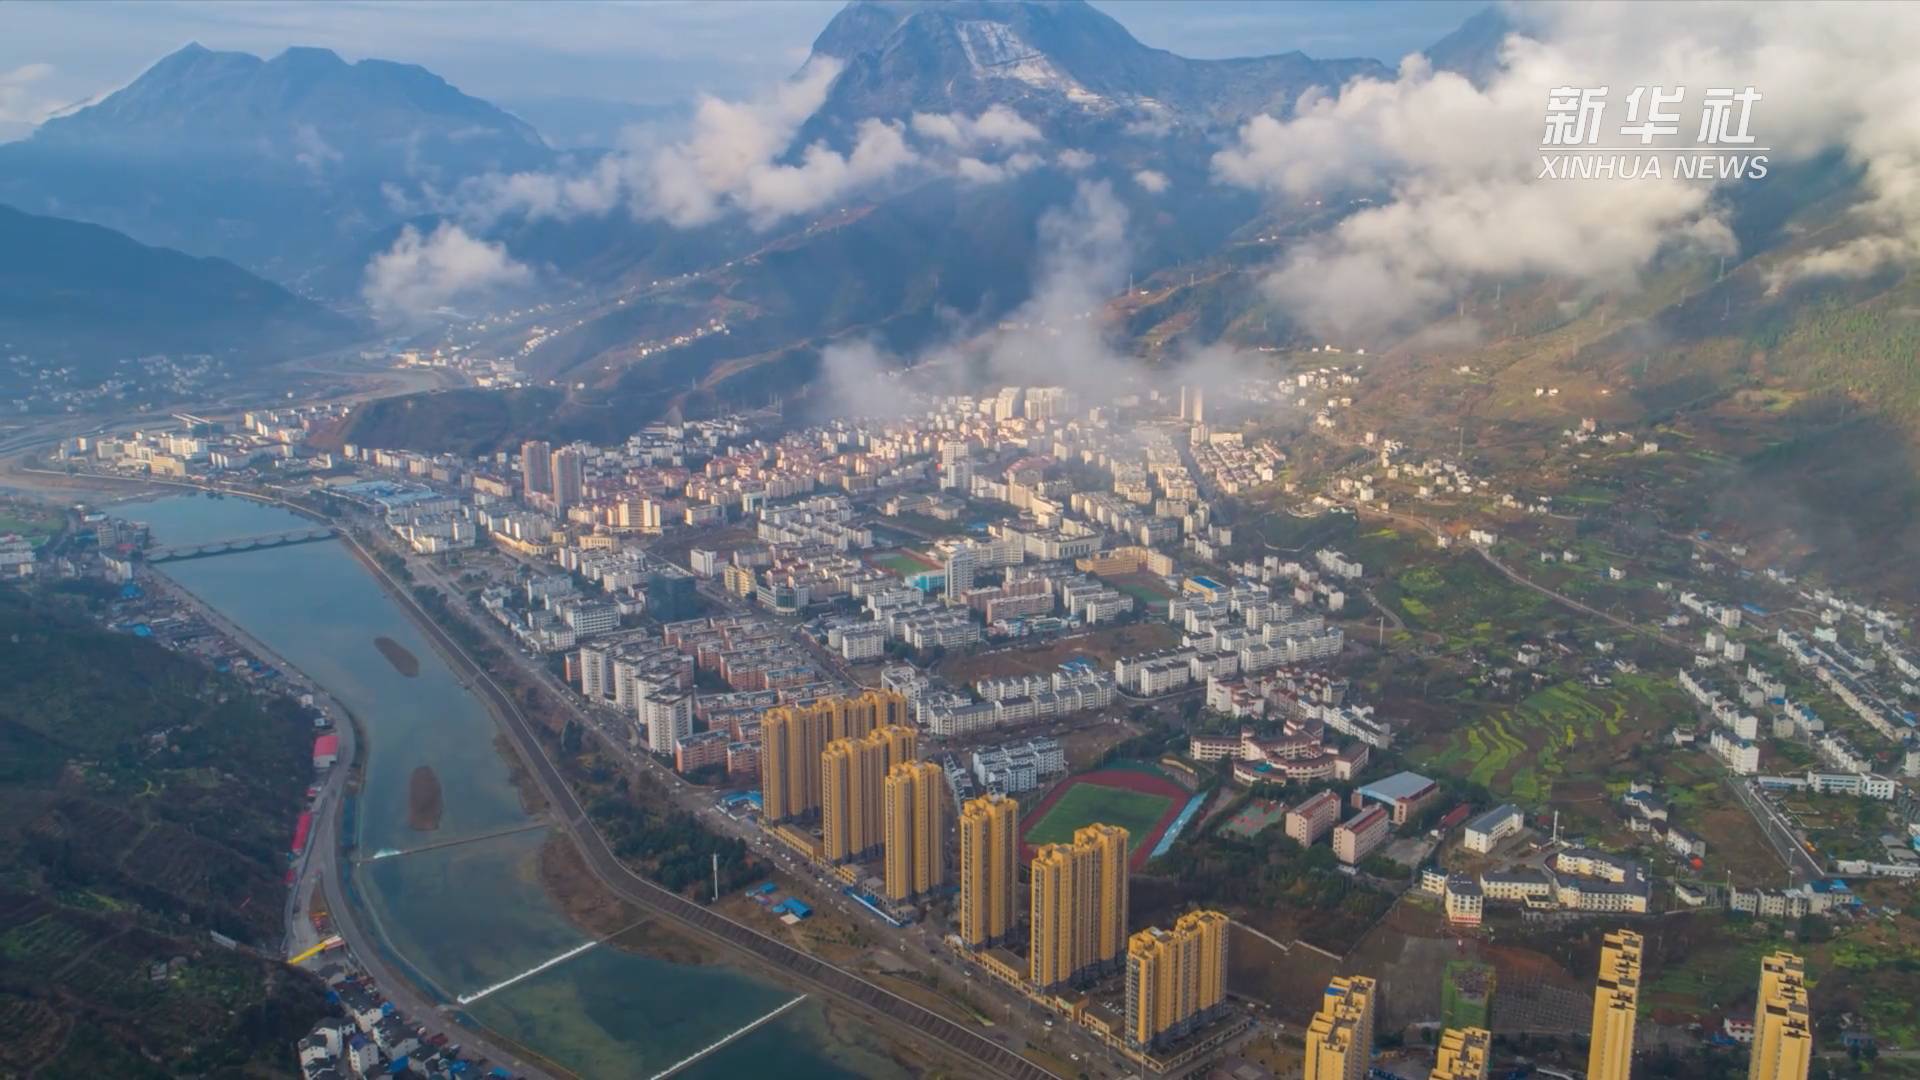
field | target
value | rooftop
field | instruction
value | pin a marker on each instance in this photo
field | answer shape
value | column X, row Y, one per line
column 1401, row 785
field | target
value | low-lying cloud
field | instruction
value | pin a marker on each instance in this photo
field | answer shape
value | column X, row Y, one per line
column 739, row 159
column 1059, row 337
column 1450, row 169
column 422, row 275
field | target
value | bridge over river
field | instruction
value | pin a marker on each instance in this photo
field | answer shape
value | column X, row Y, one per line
column 240, row 543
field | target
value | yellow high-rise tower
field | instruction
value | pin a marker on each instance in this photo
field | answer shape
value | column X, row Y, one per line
column 1616, row 1005
column 1175, row 978
column 1078, row 905
column 793, row 737
column 915, row 797
column 1108, row 847
column 989, row 844
column 1463, row 1054
column 1340, row 1036
column 852, row 775
column 1782, row 1025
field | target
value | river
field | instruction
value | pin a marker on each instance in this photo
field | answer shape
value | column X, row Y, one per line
column 467, row 917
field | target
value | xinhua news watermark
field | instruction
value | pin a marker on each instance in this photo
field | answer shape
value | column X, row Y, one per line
column 1648, row 143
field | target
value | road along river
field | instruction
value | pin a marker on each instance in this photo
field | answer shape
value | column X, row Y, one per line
column 461, row 918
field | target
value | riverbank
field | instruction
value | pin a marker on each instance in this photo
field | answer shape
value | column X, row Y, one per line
column 317, row 873
column 926, row 1038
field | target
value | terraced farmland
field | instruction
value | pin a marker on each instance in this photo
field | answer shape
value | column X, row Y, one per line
column 1567, row 731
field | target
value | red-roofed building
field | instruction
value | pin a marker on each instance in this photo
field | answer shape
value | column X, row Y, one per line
column 326, row 750
column 1355, row 838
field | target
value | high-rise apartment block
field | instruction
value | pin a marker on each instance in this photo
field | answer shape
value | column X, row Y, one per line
column 852, row 775
column 1176, row 979
column 1616, row 1005
column 1463, row 1054
column 1340, row 1036
column 1782, row 1026
column 1078, row 906
column 569, row 478
column 989, row 846
column 915, row 798
column 793, row 738
column 536, row 467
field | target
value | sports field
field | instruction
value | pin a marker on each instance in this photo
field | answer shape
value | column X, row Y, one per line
column 1140, row 800
column 1253, row 817
column 902, row 562
column 1085, row 804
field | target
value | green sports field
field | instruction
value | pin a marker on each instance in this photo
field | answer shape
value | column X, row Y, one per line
column 1085, row 804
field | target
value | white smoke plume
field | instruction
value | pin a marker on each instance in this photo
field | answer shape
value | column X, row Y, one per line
column 420, row 276
column 1452, row 169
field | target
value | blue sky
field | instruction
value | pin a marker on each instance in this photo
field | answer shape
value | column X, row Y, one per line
column 53, row 54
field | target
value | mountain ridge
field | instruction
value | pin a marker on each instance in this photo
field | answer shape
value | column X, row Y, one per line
column 273, row 164
column 85, row 294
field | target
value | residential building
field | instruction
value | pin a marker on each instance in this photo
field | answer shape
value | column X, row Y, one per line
column 1464, row 899
column 792, row 738
column 536, row 467
column 1463, row 1054
column 1356, row 838
column 989, row 849
column 668, row 717
column 915, row 798
column 1616, row 1003
column 1487, row 830
column 852, row 775
column 569, row 478
column 1313, row 817
column 1782, row 1026
column 1340, row 1036
column 1176, row 979
column 1078, row 906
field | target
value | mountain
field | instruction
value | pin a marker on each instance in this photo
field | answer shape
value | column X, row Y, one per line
column 85, row 295
column 1473, row 49
column 1058, row 60
column 144, row 813
column 268, row 163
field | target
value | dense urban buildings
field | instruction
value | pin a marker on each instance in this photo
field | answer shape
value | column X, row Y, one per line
column 793, row 738
column 1078, row 894
column 853, row 773
column 989, row 849
column 1616, row 1003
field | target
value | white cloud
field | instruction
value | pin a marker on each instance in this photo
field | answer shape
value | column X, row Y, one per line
column 738, row 159
column 1152, row 181
column 1452, row 168
column 988, row 172
column 998, row 126
column 312, row 150
column 21, row 101
column 1074, row 159
column 421, row 275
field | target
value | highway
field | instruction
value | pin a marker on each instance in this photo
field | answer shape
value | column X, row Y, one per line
column 836, row 982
